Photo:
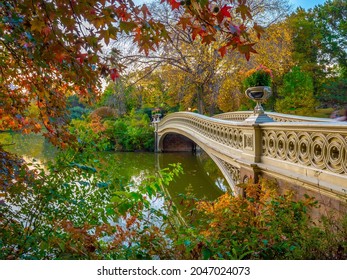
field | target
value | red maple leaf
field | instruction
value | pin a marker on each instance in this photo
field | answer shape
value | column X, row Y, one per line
column 81, row 57
column 114, row 74
column 207, row 39
column 60, row 56
column 246, row 49
column 225, row 11
column 174, row 4
column 184, row 21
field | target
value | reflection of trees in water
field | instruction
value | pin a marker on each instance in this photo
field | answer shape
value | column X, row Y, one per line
column 212, row 170
column 195, row 176
column 30, row 145
column 201, row 176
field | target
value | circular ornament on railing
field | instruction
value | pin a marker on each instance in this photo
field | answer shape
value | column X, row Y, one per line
column 264, row 151
column 240, row 140
column 271, row 143
column 217, row 133
column 281, row 145
column 221, row 134
column 230, row 137
column 335, row 153
column 318, row 148
column 264, row 142
column 234, row 138
column 225, row 136
column 292, row 146
column 304, row 148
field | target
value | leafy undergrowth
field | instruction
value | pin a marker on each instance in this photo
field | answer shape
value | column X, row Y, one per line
column 75, row 209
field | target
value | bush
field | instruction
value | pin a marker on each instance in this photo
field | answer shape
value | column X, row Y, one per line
column 131, row 133
column 78, row 112
column 90, row 134
column 260, row 76
column 296, row 94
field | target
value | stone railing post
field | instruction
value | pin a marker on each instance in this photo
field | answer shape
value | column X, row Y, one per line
column 252, row 146
column 155, row 122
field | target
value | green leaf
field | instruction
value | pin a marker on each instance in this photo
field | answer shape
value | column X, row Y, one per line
column 127, row 27
column 206, row 253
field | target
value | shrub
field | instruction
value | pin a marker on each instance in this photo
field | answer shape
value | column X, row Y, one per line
column 131, row 133
column 78, row 112
column 260, row 76
column 296, row 94
column 104, row 112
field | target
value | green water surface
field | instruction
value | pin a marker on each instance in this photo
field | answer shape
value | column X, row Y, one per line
column 201, row 176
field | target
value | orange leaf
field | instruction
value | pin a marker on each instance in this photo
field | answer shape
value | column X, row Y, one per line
column 37, row 24
column 223, row 51
column 184, row 21
column 207, row 39
column 60, row 56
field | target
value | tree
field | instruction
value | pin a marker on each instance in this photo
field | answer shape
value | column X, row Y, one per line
column 306, row 41
column 50, row 49
column 195, row 72
column 330, row 19
column 118, row 97
column 319, row 37
column 296, row 93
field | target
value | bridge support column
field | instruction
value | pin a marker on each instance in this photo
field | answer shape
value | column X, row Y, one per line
column 249, row 174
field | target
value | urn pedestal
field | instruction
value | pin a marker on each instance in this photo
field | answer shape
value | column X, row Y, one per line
column 259, row 94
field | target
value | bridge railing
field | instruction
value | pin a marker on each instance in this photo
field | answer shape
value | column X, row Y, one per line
column 278, row 117
column 307, row 152
column 322, row 146
column 224, row 132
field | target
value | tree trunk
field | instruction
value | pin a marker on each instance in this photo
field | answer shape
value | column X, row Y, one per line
column 200, row 101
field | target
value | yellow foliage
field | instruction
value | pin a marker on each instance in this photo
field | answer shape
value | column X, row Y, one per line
column 275, row 49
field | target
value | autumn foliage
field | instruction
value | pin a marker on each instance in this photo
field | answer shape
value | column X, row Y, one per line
column 52, row 49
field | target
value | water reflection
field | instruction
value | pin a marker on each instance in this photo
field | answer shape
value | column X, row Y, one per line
column 201, row 175
column 30, row 146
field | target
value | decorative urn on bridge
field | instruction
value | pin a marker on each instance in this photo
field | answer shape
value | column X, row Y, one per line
column 257, row 84
column 156, row 114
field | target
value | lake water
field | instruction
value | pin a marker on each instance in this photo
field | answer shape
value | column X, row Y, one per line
column 201, row 176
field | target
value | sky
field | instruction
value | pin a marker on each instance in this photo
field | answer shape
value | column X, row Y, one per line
column 306, row 3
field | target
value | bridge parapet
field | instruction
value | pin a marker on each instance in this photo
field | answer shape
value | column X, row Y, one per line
column 308, row 153
column 223, row 132
column 322, row 146
column 278, row 117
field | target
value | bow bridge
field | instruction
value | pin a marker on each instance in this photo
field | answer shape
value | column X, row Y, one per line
column 308, row 155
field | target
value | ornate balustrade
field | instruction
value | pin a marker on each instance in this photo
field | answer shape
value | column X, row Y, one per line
column 223, row 132
column 278, row 117
column 321, row 146
column 311, row 153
